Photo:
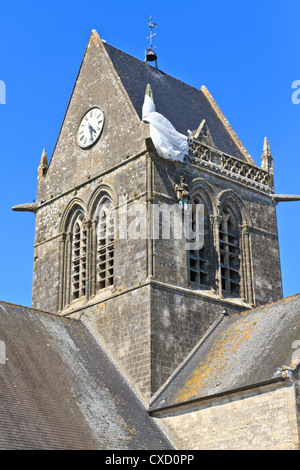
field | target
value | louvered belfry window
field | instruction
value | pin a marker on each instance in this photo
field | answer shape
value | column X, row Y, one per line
column 199, row 259
column 229, row 254
column 79, row 258
column 105, row 252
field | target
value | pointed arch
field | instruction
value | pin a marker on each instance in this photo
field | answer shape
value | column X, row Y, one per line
column 229, row 197
column 102, row 215
column 105, row 243
column 75, row 206
column 230, row 249
column 74, row 253
column 202, row 262
column 234, row 248
column 104, row 190
column 87, row 251
column 78, row 256
column 200, row 187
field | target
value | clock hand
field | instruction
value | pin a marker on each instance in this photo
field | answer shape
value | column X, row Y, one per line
column 91, row 129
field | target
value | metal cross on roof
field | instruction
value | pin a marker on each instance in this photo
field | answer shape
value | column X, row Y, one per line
column 150, row 55
column 151, row 26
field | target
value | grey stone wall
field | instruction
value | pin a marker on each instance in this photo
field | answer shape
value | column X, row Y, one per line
column 122, row 323
column 179, row 319
column 257, row 420
column 151, row 317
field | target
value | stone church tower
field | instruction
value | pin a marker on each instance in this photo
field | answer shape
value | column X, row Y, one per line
column 149, row 300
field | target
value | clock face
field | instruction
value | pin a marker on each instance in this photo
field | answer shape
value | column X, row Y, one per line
column 90, row 127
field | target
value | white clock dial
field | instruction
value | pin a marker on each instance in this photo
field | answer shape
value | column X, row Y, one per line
column 90, row 127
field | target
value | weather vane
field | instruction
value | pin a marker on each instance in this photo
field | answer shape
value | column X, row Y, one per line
column 151, row 26
column 150, row 55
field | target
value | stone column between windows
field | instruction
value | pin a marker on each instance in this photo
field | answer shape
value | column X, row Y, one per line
column 87, row 225
column 93, row 257
column 246, row 284
column 216, row 220
column 67, row 269
column 62, row 248
column 150, row 241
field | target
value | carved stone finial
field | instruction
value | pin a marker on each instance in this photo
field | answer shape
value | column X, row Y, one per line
column 149, row 91
column 203, row 134
column 43, row 168
column 267, row 162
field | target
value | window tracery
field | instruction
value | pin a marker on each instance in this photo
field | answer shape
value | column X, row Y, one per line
column 229, row 253
column 105, row 245
column 87, row 250
column 199, row 259
column 79, row 258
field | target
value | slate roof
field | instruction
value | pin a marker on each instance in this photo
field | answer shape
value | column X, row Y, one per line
column 244, row 349
column 59, row 390
column 183, row 105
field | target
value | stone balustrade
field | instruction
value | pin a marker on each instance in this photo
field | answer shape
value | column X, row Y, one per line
column 210, row 158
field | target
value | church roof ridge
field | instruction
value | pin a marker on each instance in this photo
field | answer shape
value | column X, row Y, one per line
column 35, row 310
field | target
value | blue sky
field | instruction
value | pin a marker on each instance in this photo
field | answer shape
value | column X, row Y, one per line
column 246, row 53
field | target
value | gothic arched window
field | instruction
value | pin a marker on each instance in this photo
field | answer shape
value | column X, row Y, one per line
column 79, row 258
column 105, row 245
column 229, row 239
column 200, row 261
